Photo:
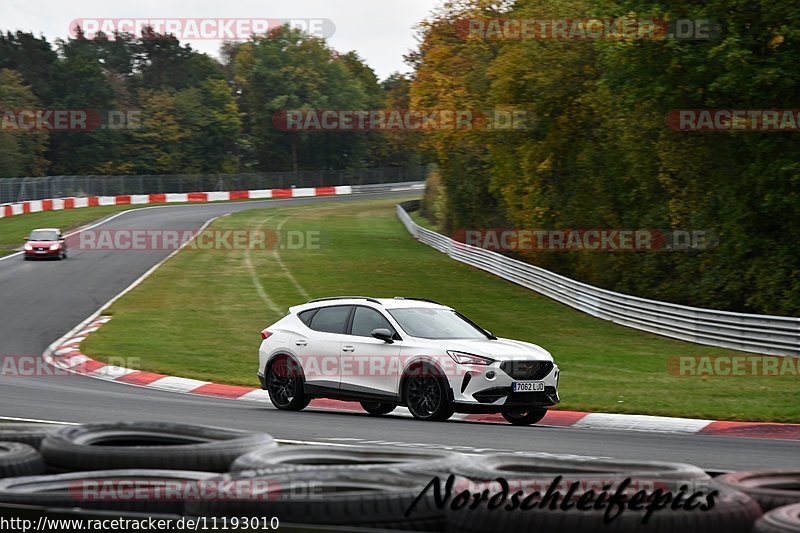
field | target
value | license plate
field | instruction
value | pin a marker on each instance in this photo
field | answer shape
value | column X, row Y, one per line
column 39, row 251
column 528, row 386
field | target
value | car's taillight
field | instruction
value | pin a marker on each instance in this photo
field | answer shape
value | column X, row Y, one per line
column 265, row 334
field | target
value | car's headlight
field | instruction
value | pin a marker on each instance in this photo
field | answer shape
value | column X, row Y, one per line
column 28, row 247
column 54, row 246
column 469, row 359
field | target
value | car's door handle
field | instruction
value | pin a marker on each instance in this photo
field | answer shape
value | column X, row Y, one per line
column 348, row 349
column 301, row 343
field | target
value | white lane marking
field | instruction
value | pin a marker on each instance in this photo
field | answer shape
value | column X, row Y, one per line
column 640, row 423
column 286, row 271
column 315, row 443
column 37, row 420
column 254, row 276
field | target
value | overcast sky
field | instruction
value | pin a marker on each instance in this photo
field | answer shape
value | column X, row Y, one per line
column 381, row 31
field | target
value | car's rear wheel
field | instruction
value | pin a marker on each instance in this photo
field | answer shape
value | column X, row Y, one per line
column 524, row 417
column 377, row 408
column 426, row 395
column 285, row 385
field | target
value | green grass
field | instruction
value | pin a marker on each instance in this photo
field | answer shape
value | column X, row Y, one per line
column 13, row 230
column 199, row 316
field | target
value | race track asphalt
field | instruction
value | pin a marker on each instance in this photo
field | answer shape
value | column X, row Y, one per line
column 40, row 302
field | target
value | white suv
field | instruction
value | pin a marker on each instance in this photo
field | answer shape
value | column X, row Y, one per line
column 386, row 352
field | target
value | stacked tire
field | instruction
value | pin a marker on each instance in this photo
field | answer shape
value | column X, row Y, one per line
column 386, row 488
column 575, row 486
column 123, row 467
column 777, row 491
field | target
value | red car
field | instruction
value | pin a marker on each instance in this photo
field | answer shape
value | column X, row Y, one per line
column 45, row 243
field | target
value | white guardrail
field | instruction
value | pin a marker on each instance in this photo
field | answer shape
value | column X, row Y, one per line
column 775, row 335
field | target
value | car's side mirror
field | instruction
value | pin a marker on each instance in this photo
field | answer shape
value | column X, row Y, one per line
column 25, row 238
column 383, row 334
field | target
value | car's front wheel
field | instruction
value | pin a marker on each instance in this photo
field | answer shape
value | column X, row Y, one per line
column 377, row 408
column 426, row 395
column 285, row 385
column 525, row 418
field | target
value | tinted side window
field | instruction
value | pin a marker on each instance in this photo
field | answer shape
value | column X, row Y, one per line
column 331, row 319
column 306, row 315
column 366, row 319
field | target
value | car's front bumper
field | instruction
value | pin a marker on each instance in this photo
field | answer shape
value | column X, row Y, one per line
column 478, row 391
column 46, row 254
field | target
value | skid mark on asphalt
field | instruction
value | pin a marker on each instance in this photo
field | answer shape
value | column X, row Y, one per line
column 254, row 277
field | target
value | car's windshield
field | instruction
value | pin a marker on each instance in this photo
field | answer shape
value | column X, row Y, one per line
column 43, row 235
column 436, row 324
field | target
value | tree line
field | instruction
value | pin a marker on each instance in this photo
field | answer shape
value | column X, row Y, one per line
column 596, row 152
column 600, row 155
column 191, row 113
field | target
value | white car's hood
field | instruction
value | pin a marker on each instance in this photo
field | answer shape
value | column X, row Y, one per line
column 499, row 350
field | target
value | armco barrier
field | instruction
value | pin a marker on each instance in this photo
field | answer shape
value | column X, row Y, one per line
column 775, row 335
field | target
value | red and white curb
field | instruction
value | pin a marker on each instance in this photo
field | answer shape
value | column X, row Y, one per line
column 68, row 356
column 57, row 204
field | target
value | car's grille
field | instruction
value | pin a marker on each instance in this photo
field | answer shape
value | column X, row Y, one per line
column 527, row 370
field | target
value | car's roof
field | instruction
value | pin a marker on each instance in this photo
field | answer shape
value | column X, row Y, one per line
column 46, row 229
column 398, row 302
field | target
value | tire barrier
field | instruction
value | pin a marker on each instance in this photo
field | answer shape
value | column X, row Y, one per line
column 299, row 458
column 781, row 520
column 31, row 434
column 17, row 459
column 732, row 512
column 337, row 496
column 770, row 488
column 150, row 445
column 193, row 471
column 520, row 467
column 101, row 490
